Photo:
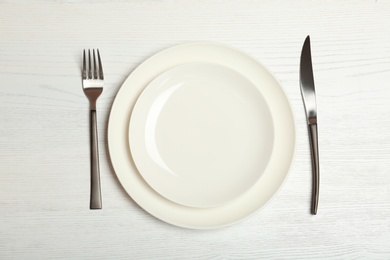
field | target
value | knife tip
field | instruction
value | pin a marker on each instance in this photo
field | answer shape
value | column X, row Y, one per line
column 307, row 38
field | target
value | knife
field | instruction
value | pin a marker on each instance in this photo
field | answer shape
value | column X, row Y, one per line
column 309, row 101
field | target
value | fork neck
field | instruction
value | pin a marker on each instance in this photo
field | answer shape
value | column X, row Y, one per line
column 92, row 105
column 93, row 94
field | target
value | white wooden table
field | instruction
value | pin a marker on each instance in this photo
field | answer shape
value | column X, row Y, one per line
column 44, row 128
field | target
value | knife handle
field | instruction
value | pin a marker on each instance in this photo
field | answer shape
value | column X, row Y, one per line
column 313, row 135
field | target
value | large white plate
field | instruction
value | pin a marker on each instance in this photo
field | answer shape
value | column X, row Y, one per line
column 251, row 201
column 201, row 134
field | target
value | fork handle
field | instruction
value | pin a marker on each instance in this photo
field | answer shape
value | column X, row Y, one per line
column 96, row 198
column 313, row 134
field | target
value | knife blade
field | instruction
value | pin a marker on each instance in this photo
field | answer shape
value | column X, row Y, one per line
column 309, row 100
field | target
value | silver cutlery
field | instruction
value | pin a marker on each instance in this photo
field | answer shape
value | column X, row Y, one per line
column 93, row 81
column 309, row 101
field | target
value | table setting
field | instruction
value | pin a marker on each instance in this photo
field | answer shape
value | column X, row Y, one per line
column 194, row 130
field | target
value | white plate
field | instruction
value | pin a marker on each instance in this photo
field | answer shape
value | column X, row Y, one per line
column 201, row 134
column 251, row 201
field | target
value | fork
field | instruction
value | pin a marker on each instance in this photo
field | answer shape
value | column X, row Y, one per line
column 93, row 81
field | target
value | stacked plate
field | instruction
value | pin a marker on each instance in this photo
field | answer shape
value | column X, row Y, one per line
column 201, row 135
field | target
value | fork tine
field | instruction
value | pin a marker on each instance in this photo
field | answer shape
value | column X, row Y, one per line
column 95, row 74
column 89, row 65
column 100, row 66
column 84, row 66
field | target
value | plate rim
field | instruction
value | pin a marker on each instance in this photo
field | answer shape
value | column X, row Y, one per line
column 157, row 208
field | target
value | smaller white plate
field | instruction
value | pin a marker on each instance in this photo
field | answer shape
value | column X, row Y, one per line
column 201, row 134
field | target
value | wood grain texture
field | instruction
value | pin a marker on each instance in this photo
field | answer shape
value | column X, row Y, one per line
column 44, row 142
